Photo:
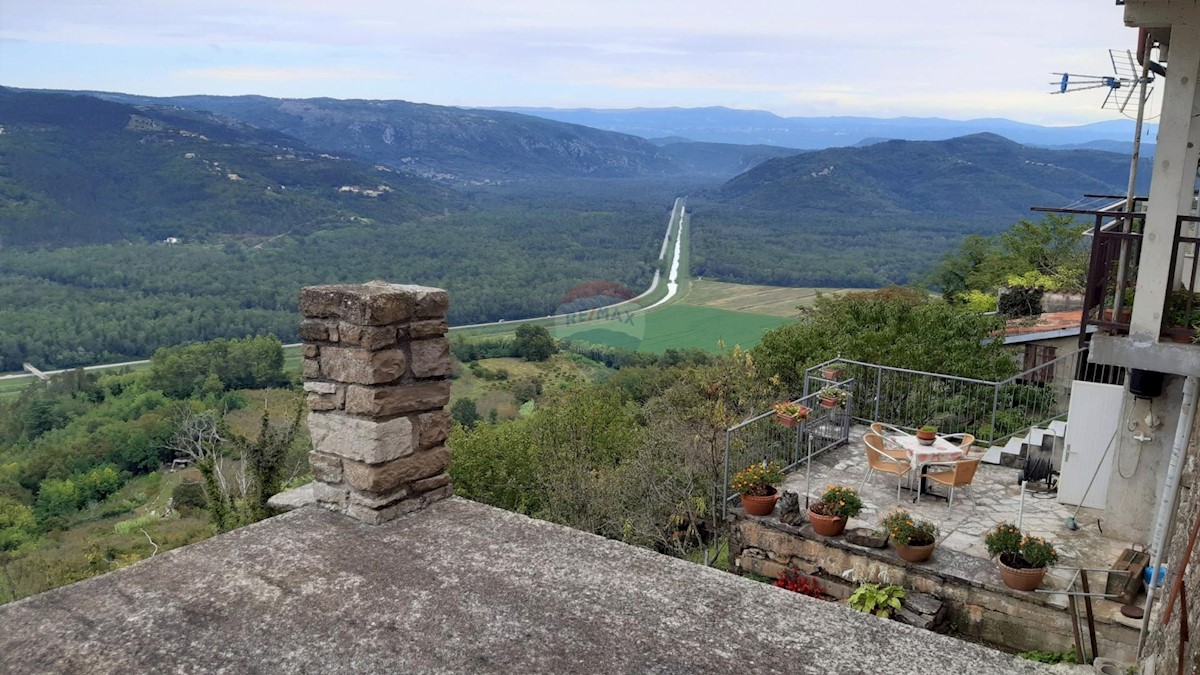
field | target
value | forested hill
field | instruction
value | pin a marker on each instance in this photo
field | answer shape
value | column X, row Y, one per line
column 77, row 169
column 442, row 142
column 980, row 180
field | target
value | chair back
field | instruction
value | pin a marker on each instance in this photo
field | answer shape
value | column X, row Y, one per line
column 876, row 457
column 886, row 430
column 967, row 441
column 964, row 470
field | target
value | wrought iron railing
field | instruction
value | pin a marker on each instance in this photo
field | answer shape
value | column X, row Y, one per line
column 992, row 411
column 763, row 438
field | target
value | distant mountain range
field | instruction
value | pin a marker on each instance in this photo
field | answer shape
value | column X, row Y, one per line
column 729, row 125
column 979, row 179
column 103, row 167
column 78, row 169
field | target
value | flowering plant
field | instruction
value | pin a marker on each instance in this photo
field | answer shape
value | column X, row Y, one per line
column 793, row 580
column 907, row 531
column 1038, row 552
column 758, row 479
column 1004, row 538
column 836, row 394
column 794, row 410
column 839, row 501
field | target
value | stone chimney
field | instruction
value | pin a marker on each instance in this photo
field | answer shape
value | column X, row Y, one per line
column 376, row 369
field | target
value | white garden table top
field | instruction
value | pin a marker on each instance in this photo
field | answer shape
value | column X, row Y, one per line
column 942, row 450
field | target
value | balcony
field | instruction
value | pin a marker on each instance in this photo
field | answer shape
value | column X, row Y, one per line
column 1110, row 289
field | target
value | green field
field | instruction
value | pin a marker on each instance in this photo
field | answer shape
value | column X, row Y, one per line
column 770, row 300
column 676, row 326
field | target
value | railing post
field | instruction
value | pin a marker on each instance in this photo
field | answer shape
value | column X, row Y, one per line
column 725, row 481
column 878, row 390
column 995, row 407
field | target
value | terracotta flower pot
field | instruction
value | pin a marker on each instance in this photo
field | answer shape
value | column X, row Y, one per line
column 1124, row 317
column 786, row 420
column 914, row 553
column 926, row 437
column 756, row 505
column 1021, row 578
column 828, row 402
column 826, row 526
column 833, row 374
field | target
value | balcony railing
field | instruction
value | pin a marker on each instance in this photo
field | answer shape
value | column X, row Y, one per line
column 1181, row 314
column 1112, row 272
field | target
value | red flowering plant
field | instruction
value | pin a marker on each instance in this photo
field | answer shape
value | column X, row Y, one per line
column 793, row 580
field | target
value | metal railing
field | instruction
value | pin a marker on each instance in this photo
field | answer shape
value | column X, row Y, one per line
column 1112, row 273
column 763, row 438
column 992, row 411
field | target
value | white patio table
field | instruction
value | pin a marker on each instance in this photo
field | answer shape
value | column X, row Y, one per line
column 921, row 456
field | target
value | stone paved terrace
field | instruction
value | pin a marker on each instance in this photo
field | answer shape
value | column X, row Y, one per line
column 997, row 496
column 456, row 587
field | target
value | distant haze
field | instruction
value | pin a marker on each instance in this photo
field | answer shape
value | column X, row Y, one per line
column 724, row 125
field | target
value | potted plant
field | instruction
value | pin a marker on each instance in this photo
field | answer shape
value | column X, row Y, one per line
column 1126, row 307
column 927, row 434
column 1023, row 558
column 756, row 483
column 913, row 538
column 834, row 372
column 790, row 414
column 833, row 397
column 829, row 515
column 1183, row 312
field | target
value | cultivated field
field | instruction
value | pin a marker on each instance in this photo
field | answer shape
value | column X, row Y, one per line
column 676, row 326
column 768, row 300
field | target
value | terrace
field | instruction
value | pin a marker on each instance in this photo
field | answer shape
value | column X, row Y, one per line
column 828, row 448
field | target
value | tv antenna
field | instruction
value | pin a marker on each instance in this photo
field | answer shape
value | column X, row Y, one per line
column 1130, row 75
column 1127, row 80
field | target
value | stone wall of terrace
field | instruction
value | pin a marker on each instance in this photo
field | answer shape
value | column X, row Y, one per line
column 981, row 607
column 376, row 369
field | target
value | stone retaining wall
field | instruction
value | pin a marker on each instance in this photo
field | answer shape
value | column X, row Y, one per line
column 376, row 369
column 983, row 610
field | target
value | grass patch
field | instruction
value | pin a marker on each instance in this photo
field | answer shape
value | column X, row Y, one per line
column 677, row 326
column 280, row 403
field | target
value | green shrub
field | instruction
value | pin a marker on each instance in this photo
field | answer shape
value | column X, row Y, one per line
column 190, row 495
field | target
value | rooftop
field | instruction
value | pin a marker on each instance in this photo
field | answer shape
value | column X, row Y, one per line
column 457, row 586
column 1044, row 326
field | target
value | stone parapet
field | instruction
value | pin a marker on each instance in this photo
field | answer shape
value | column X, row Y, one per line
column 376, row 370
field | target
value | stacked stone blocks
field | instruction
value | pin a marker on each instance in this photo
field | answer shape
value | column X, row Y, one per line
column 376, row 369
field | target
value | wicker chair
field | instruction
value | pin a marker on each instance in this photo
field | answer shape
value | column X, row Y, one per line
column 958, row 475
column 965, row 441
column 882, row 430
column 881, row 461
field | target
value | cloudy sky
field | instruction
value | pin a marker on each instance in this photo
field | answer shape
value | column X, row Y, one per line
column 954, row 58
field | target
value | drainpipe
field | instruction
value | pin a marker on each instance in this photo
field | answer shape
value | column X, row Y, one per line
column 1169, row 497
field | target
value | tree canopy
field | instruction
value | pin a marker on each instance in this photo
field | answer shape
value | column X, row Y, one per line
column 893, row 327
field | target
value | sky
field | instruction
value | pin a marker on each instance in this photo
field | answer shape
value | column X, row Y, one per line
column 958, row 59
